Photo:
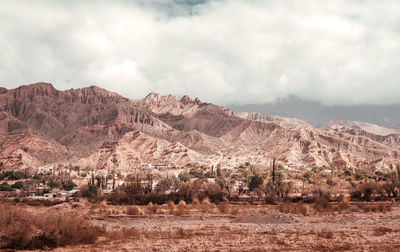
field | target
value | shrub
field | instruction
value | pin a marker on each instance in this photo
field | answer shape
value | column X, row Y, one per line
column 322, row 205
column 255, row 182
column 134, row 210
column 181, row 208
column 68, row 185
column 298, row 208
column 343, row 204
column 326, row 234
column 18, row 185
column 5, row 187
column 152, row 208
column 224, row 208
column 205, row 201
column 235, row 211
column 24, row 230
column 195, row 201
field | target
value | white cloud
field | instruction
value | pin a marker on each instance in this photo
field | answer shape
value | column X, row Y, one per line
column 336, row 52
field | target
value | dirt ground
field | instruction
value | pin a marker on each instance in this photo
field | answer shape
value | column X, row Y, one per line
column 254, row 228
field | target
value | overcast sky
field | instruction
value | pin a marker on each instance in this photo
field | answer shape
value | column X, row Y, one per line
column 225, row 52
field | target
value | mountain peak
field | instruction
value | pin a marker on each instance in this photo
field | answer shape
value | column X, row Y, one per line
column 152, row 97
column 187, row 100
column 38, row 85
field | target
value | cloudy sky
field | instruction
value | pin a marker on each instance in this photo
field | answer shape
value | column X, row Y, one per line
column 223, row 51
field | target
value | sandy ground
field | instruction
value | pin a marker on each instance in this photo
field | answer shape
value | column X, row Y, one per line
column 258, row 228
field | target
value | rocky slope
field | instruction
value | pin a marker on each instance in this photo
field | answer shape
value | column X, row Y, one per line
column 345, row 126
column 290, row 123
column 97, row 129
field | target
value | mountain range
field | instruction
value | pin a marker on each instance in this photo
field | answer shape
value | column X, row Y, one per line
column 97, row 129
column 319, row 115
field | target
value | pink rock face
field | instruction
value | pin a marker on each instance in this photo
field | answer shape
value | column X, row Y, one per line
column 103, row 130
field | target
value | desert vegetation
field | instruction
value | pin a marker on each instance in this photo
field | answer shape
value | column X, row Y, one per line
column 208, row 199
column 22, row 229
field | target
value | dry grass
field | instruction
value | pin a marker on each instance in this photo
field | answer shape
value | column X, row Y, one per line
column 152, row 208
column 381, row 207
column 297, row 208
column 206, row 201
column 382, row 231
column 343, row 205
column 195, row 202
column 224, row 208
column 206, row 206
column 122, row 234
column 326, row 234
column 134, row 210
column 322, row 205
column 235, row 211
column 181, row 208
column 158, row 233
column 21, row 229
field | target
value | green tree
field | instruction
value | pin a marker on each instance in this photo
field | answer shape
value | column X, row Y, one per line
column 68, row 185
column 18, row 185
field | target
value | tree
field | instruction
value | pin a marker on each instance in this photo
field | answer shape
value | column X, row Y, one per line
column 164, row 185
column 255, row 181
column 54, row 184
column 18, row 185
column 68, row 185
column 5, row 187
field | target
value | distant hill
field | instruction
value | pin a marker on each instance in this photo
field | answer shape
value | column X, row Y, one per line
column 318, row 115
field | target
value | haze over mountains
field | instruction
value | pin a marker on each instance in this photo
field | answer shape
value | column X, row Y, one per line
column 97, row 129
column 318, row 115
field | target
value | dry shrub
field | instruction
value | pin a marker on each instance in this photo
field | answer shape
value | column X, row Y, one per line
column 122, row 234
column 100, row 205
column 170, row 204
column 366, row 208
column 383, row 208
column 76, row 205
column 264, row 211
column 322, row 205
column 181, row 209
column 382, row 231
column 326, row 234
column 205, row 205
column 181, row 233
column 134, row 210
column 206, row 201
column 21, row 229
column 173, row 209
column 152, row 208
column 235, row 211
column 224, row 208
column 297, row 208
column 344, row 204
column 103, row 204
column 195, row 201
column 182, row 203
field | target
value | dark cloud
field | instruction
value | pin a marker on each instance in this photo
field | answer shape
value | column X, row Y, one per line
column 226, row 52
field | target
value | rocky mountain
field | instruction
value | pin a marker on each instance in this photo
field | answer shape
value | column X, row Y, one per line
column 344, row 126
column 290, row 123
column 97, row 129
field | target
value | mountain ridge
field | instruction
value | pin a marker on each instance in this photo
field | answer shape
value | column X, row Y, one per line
column 97, row 129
